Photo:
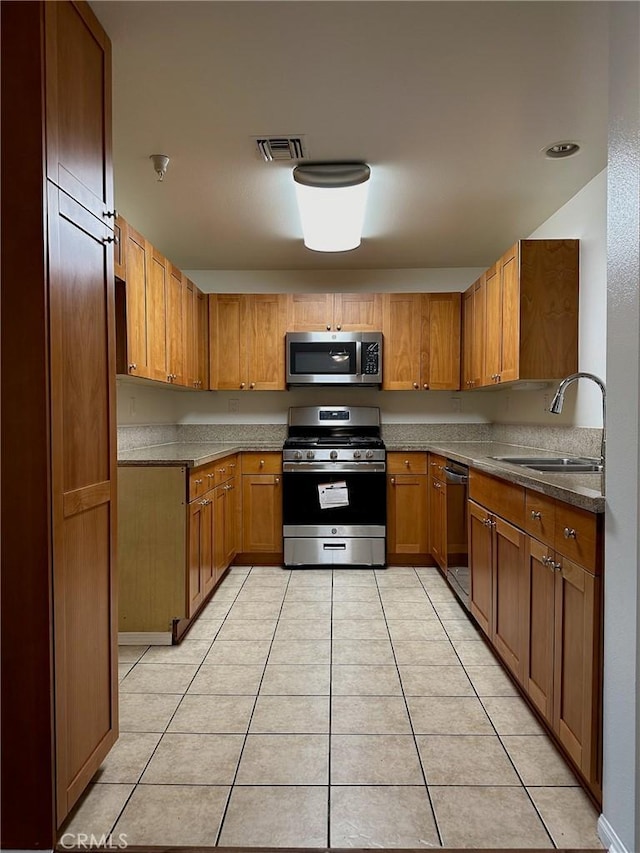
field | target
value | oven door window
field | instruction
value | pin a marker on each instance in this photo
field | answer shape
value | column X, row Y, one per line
column 330, row 359
column 366, row 495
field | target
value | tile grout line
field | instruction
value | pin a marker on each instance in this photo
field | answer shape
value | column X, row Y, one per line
column 162, row 734
column 330, row 733
column 413, row 734
column 246, row 736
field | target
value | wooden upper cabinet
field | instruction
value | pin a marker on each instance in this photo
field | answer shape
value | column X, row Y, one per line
column 190, row 334
column 202, row 349
column 357, row 312
column 120, row 249
column 528, row 321
column 246, row 341
column 78, row 106
column 310, row 312
column 157, row 287
column 175, row 325
column 131, row 305
column 338, row 312
column 421, row 349
column 473, row 319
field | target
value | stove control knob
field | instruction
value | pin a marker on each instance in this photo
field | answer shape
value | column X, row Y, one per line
column 310, row 454
column 297, row 454
column 333, row 454
column 356, row 454
column 369, row 454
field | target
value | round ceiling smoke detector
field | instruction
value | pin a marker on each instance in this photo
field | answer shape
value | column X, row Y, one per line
column 561, row 149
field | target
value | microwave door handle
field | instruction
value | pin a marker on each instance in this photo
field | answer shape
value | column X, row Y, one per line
column 358, row 358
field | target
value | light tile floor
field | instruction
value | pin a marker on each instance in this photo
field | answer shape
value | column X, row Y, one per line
column 350, row 708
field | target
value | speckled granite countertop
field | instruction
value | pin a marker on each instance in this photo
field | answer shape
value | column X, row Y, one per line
column 191, row 454
column 581, row 490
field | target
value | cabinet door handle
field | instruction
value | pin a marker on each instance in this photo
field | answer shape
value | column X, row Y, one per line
column 415, row 385
column 198, row 482
column 242, row 384
column 204, row 503
column 111, row 214
column 407, row 463
column 252, row 385
column 569, row 533
column 261, row 463
column 426, row 386
column 110, row 239
column 339, row 327
column 328, row 327
column 557, row 567
column 536, row 516
column 277, row 480
column 133, row 366
column 393, row 481
column 209, row 476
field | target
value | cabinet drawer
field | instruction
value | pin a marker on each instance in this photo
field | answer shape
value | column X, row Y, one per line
column 407, row 463
column 436, row 467
column 540, row 517
column 200, row 481
column 502, row 498
column 262, row 463
column 576, row 536
column 224, row 469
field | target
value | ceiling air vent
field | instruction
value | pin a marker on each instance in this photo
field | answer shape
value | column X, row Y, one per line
column 273, row 148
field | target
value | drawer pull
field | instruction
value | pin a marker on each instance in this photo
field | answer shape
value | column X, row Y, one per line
column 536, row 516
column 393, row 481
column 557, row 567
column 407, row 463
column 133, row 366
column 209, row 476
column 277, row 480
column 261, row 462
column 198, row 482
column 569, row 533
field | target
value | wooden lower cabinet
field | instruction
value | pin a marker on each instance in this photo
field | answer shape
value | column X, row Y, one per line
column 541, row 611
column 262, row 514
column 407, row 508
column 200, row 553
column 447, row 517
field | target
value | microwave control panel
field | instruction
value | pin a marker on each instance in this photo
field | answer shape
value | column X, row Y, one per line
column 371, row 360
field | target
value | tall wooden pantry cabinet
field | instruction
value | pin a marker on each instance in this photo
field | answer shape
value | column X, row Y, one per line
column 59, row 658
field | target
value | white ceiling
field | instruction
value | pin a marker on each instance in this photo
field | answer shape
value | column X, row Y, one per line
column 450, row 103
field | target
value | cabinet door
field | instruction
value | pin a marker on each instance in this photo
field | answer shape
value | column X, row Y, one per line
column 509, row 576
column 137, row 262
column 231, row 520
column 402, row 328
column 310, row 312
column 219, row 530
column 479, row 332
column 440, row 341
column 157, row 314
column 539, row 627
column 467, row 337
column 190, row 334
column 175, row 325
column 226, row 336
column 357, row 312
column 78, row 105
column 202, row 346
column 480, row 561
column 83, row 492
column 438, row 521
column 510, row 283
column 199, row 554
column 576, row 664
column 120, row 249
column 262, row 513
column 493, row 325
column 407, row 516
column 263, row 340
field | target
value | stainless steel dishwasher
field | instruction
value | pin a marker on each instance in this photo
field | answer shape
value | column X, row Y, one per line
column 458, row 573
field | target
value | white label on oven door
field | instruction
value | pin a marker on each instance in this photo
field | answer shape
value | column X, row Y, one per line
column 333, row 494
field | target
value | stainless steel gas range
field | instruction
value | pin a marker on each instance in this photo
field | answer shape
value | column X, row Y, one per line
column 334, row 487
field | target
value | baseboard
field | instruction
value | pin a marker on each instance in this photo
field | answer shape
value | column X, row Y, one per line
column 144, row 638
column 609, row 837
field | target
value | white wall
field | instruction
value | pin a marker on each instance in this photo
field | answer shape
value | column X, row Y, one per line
column 583, row 217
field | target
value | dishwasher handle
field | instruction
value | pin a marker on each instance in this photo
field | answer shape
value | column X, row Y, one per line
column 456, row 476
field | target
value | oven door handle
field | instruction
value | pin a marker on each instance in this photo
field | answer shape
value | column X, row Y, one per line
column 334, row 467
column 334, row 546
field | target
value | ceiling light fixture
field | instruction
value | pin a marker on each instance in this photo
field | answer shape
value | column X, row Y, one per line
column 160, row 163
column 561, row 149
column 331, row 200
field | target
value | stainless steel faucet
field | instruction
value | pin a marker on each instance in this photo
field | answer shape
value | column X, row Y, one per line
column 558, row 402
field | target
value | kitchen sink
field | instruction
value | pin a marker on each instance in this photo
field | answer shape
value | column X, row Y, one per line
column 559, row 464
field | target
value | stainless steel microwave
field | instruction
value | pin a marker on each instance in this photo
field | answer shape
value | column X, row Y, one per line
column 334, row 358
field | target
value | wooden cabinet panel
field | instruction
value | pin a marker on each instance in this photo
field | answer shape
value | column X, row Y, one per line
column 407, row 514
column 505, row 499
column 132, row 310
column 509, row 579
column 199, row 555
column 261, row 513
column 510, row 279
column 576, row 536
column 310, row 312
column 577, row 664
column 226, row 351
column 411, row 462
column 402, row 329
column 357, row 312
column 441, row 341
column 219, row 498
column 540, row 516
column 78, row 105
column 202, row 347
column 83, row 459
column 438, row 522
column 175, row 325
column 269, row 462
column 190, row 334
column 156, row 314
column 481, row 563
column 467, row 337
column 263, row 342
column 473, row 313
column 120, row 249
column 493, row 325
column 231, row 521
column 539, row 626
